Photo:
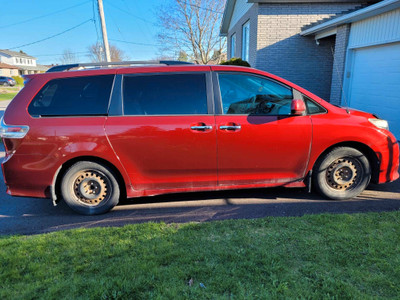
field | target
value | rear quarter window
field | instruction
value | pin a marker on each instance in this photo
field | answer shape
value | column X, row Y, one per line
column 78, row 96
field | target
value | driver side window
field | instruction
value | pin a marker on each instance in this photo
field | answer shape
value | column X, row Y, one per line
column 252, row 95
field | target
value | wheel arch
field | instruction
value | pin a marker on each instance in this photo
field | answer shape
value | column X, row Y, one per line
column 365, row 149
column 56, row 186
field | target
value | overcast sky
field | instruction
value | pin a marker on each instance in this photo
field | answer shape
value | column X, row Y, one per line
column 128, row 22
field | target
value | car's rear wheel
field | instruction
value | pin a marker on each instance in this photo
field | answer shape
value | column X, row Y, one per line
column 342, row 173
column 90, row 188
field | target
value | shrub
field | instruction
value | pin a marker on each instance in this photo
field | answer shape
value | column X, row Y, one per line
column 235, row 61
column 19, row 80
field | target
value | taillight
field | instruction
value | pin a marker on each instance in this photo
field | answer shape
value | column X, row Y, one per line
column 12, row 131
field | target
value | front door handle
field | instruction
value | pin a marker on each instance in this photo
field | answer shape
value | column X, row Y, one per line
column 201, row 127
column 231, row 127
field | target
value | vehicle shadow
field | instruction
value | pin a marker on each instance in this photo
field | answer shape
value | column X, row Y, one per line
column 32, row 216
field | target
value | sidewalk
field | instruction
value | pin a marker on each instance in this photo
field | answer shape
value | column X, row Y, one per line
column 3, row 106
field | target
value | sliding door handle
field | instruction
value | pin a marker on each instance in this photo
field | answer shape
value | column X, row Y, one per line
column 200, row 126
column 231, row 127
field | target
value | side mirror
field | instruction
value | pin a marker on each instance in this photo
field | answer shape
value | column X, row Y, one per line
column 298, row 107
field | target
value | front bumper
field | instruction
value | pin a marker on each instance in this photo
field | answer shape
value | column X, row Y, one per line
column 389, row 162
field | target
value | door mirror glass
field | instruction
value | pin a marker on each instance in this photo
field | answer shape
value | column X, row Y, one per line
column 298, row 107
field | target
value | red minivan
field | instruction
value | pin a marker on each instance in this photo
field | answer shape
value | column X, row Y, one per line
column 94, row 136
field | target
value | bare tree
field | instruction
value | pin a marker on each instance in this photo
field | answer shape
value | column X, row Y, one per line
column 68, row 57
column 192, row 26
column 183, row 56
column 97, row 53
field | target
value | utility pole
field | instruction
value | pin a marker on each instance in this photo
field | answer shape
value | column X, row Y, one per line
column 104, row 30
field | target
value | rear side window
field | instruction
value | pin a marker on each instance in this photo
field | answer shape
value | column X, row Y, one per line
column 78, row 96
column 167, row 94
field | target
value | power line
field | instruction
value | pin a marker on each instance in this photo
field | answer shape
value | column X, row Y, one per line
column 43, row 16
column 134, row 43
column 148, row 31
column 200, row 7
column 50, row 37
column 129, row 13
column 40, row 55
column 94, row 21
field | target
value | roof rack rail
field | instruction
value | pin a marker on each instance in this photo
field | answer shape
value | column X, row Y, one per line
column 62, row 68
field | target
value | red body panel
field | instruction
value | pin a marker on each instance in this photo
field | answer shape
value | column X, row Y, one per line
column 48, row 146
column 267, row 150
column 161, row 154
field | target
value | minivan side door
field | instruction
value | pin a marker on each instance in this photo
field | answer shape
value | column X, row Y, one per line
column 259, row 141
column 165, row 133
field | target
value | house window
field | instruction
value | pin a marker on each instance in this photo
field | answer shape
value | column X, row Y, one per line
column 245, row 40
column 233, row 45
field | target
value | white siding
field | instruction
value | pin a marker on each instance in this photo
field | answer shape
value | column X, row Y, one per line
column 17, row 61
column 384, row 28
column 241, row 7
column 6, row 60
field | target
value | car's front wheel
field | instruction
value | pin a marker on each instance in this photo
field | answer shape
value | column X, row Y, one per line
column 90, row 188
column 342, row 173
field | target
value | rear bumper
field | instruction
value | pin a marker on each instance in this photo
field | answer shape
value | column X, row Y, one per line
column 23, row 181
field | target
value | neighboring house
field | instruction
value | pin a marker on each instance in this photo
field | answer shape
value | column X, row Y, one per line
column 8, row 70
column 324, row 46
column 26, row 64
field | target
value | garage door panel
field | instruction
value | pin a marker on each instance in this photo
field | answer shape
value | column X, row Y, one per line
column 375, row 83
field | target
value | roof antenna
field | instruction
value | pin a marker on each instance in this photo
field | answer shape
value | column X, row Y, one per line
column 340, row 81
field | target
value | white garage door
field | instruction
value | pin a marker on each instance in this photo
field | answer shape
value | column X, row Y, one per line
column 375, row 83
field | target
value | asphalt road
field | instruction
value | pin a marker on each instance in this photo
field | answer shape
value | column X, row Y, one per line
column 33, row 216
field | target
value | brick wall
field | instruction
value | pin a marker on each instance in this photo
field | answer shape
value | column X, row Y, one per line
column 342, row 38
column 282, row 51
column 250, row 15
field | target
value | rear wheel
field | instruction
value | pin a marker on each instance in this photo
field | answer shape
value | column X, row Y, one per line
column 90, row 188
column 342, row 173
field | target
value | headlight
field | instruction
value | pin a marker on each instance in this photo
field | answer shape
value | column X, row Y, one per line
column 380, row 123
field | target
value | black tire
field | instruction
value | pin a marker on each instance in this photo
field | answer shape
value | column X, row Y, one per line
column 90, row 188
column 342, row 173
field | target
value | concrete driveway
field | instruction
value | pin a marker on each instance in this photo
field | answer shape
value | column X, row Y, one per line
column 32, row 216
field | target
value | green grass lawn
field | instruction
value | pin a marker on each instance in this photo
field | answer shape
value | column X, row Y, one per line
column 9, row 92
column 7, row 96
column 317, row 257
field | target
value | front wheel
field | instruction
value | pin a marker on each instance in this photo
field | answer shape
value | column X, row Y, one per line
column 342, row 173
column 90, row 188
